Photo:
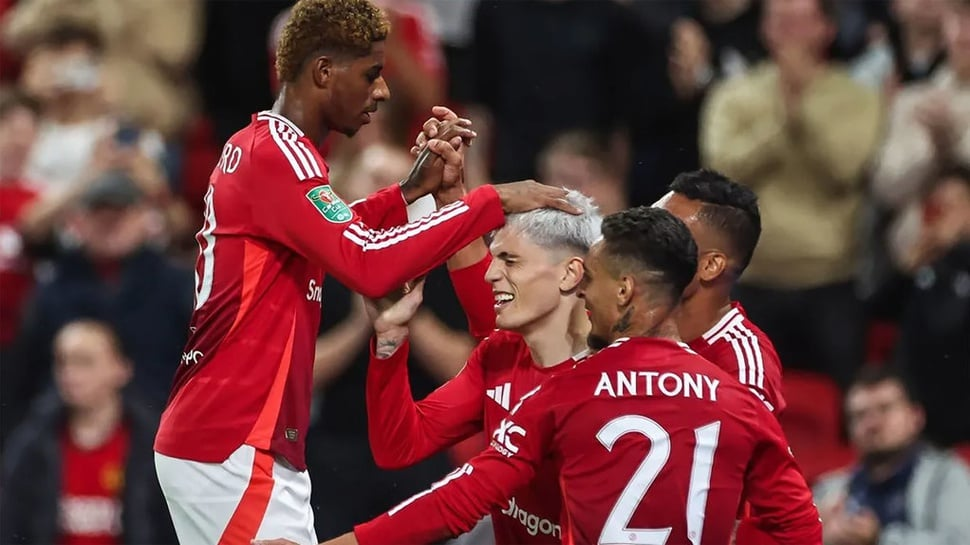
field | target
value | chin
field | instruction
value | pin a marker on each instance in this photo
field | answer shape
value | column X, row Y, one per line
column 596, row 342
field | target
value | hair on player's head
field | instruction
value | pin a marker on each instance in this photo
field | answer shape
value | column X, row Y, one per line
column 728, row 207
column 554, row 230
column 332, row 27
column 654, row 244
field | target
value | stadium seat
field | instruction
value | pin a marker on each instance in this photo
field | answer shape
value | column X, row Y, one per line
column 813, row 421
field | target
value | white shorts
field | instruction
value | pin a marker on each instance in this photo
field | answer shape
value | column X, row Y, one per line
column 249, row 496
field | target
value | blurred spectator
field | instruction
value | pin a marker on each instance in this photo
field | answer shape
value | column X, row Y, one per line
column 18, row 128
column 712, row 40
column 149, row 48
column 903, row 492
column 581, row 161
column 546, row 66
column 114, row 276
column 80, row 469
column 929, row 129
column 799, row 131
column 64, row 70
column 348, row 486
column 908, row 48
column 933, row 345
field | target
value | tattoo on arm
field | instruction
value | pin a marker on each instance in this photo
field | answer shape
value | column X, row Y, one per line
column 387, row 347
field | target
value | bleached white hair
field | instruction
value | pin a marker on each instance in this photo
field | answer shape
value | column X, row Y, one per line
column 554, row 229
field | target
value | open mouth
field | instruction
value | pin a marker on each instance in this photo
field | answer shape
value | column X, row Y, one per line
column 502, row 298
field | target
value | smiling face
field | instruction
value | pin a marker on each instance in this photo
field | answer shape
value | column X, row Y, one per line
column 352, row 89
column 528, row 281
column 602, row 293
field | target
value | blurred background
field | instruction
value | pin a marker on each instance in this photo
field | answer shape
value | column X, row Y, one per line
column 850, row 119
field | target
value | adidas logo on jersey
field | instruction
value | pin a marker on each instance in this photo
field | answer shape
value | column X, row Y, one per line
column 500, row 394
column 533, row 524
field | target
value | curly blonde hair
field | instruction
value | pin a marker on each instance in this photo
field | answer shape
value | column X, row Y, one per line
column 332, row 26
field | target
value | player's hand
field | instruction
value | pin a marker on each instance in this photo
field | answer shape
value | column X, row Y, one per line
column 530, row 195
column 392, row 313
column 441, row 116
column 439, row 166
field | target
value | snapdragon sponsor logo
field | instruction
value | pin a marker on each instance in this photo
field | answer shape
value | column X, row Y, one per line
column 533, row 524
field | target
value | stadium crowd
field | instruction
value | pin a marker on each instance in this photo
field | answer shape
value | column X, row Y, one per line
column 850, row 120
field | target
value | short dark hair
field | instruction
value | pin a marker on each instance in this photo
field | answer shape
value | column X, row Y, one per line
column 656, row 242
column 874, row 375
column 728, row 207
column 330, row 26
column 64, row 34
column 12, row 99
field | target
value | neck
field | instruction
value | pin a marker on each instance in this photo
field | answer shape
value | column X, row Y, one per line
column 72, row 109
column 697, row 315
column 658, row 322
column 90, row 427
column 560, row 336
column 921, row 40
column 881, row 470
column 301, row 112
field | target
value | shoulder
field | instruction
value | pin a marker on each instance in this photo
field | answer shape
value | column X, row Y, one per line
column 280, row 146
column 944, row 463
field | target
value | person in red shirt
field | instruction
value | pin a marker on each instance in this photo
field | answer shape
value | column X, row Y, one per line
column 724, row 219
column 231, row 444
column 652, row 443
column 78, row 470
column 535, row 269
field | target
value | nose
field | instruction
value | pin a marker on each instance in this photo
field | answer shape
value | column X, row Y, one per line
column 492, row 274
column 381, row 91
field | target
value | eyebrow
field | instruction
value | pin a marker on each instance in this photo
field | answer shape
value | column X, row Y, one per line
column 503, row 255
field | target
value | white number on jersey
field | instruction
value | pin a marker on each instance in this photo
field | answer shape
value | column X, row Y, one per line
column 207, row 246
column 615, row 529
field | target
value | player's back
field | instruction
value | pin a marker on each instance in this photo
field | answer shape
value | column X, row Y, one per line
column 654, row 443
column 245, row 375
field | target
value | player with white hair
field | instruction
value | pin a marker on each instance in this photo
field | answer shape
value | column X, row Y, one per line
column 535, row 268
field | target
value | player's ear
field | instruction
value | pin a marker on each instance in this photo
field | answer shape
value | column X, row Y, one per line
column 572, row 275
column 323, row 69
column 624, row 291
column 711, row 265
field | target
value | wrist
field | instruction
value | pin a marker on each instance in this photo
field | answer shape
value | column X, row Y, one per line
column 387, row 344
column 411, row 191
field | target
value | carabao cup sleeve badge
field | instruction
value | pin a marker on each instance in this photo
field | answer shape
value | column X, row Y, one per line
column 329, row 204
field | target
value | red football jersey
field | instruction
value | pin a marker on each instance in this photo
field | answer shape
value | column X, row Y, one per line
column 739, row 347
column 273, row 226
column 92, row 483
column 654, row 446
column 499, row 371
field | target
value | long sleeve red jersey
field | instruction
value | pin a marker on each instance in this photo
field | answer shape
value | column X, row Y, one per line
column 738, row 346
column 273, row 226
column 403, row 432
column 653, row 445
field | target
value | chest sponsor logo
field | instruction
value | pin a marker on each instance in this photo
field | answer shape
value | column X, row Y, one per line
column 534, row 525
column 502, row 437
column 314, row 291
column 329, row 204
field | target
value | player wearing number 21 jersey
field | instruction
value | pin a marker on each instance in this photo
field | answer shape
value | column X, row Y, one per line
column 654, row 445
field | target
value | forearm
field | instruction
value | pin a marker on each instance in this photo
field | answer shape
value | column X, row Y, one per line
column 337, row 348
column 440, row 349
